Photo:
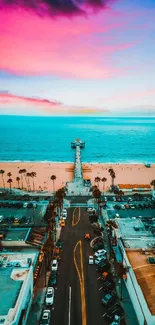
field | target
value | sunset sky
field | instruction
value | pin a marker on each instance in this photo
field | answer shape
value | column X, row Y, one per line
column 80, row 57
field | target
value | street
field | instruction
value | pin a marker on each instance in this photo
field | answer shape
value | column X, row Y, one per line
column 77, row 296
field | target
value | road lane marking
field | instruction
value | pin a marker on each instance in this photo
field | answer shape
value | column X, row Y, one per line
column 69, row 307
column 81, row 281
column 73, row 217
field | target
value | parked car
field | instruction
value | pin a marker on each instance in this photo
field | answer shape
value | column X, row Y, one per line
column 1, row 219
column 46, row 316
column 108, row 286
column 103, row 266
column 53, row 279
column 49, row 296
column 114, row 199
column 100, row 252
column 114, row 310
column 54, row 265
column 91, row 260
column 123, row 207
column 91, row 209
column 108, row 299
column 99, row 259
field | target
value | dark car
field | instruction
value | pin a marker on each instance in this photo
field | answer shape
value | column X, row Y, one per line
column 59, row 243
column 53, row 279
column 114, row 310
column 108, row 286
column 102, row 267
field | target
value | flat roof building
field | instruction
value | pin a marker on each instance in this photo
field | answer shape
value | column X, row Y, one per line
column 16, row 283
column 135, row 246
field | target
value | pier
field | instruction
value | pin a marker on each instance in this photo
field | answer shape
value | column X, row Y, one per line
column 77, row 145
column 77, row 186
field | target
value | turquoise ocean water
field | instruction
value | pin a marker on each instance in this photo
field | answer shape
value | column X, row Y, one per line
column 125, row 140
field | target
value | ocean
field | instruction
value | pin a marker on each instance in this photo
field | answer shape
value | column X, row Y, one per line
column 107, row 139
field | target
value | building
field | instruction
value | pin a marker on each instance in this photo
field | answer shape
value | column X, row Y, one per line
column 21, row 258
column 134, row 253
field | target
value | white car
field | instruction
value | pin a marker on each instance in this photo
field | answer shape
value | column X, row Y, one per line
column 91, row 210
column 1, row 218
column 45, row 319
column 114, row 199
column 54, row 265
column 117, row 215
column 99, row 259
column 91, row 260
column 50, row 296
column 122, row 207
column 64, row 214
column 100, row 252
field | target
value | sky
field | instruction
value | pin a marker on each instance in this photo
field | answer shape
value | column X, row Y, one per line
column 77, row 57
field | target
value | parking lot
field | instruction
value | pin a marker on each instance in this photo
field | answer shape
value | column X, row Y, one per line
column 32, row 213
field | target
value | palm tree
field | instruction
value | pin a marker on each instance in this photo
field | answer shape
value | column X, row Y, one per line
column 113, row 176
column 24, row 172
column 9, row 174
column 10, row 181
column 2, row 173
column 153, row 183
column 96, row 194
column 97, row 180
column 21, row 173
column 33, row 175
column 104, row 179
column 28, row 181
column 18, row 179
column 53, row 178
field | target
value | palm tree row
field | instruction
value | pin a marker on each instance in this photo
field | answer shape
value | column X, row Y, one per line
column 24, row 176
column 98, row 179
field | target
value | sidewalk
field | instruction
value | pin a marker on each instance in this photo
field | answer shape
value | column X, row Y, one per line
column 39, row 294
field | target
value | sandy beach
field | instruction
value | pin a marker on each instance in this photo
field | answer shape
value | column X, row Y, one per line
column 125, row 173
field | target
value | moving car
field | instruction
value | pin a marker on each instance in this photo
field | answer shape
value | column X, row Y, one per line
column 54, row 265
column 100, row 252
column 91, row 260
column 49, row 296
column 59, row 243
column 87, row 236
column 46, row 316
column 64, row 214
column 62, row 223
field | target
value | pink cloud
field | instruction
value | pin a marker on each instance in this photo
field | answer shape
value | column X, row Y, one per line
column 32, row 45
column 42, row 106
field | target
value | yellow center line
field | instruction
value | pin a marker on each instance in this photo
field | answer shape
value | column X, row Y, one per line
column 81, row 280
column 78, row 217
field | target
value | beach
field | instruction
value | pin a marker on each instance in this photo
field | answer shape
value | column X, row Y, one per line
column 64, row 172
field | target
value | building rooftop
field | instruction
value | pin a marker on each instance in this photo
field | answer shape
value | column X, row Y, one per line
column 145, row 274
column 133, row 233
column 8, row 285
column 14, row 270
column 16, row 234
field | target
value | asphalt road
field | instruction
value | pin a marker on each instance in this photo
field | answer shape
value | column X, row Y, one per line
column 77, row 295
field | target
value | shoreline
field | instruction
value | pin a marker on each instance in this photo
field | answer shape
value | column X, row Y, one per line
column 72, row 162
column 64, row 171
